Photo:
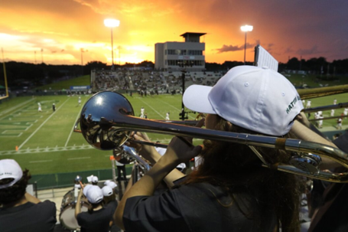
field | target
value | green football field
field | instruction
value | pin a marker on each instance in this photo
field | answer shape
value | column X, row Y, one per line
column 45, row 140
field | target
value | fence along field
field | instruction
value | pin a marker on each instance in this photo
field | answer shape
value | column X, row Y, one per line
column 46, row 143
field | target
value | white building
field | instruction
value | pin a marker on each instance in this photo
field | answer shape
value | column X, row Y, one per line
column 176, row 55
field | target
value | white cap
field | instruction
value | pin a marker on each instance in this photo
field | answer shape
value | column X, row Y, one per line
column 9, row 168
column 110, row 183
column 85, row 189
column 92, row 179
column 94, row 194
column 258, row 99
column 107, row 191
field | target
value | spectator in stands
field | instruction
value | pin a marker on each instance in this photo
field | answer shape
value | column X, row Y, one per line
column 230, row 191
column 19, row 210
column 98, row 218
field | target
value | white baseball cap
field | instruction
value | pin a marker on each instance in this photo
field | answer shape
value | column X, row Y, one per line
column 10, row 169
column 94, row 194
column 107, row 191
column 110, row 183
column 258, row 99
column 92, row 179
column 85, row 189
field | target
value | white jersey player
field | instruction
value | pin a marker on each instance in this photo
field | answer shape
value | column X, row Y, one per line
column 142, row 112
column 320, row 121
column 308, row 105
column 332, row 113
column 167, row 116
column 39, row 107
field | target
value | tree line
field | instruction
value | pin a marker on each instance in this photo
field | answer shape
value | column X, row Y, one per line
column 40, row 74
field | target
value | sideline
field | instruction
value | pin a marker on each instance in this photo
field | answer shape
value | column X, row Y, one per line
column 72, row 130
column 41, row 125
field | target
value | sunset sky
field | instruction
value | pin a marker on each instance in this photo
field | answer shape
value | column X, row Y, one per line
column 55, row 31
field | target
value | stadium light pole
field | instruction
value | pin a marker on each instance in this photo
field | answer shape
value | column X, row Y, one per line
column 111, row 23
column 245, row 29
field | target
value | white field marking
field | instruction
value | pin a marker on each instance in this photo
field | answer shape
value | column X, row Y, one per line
column 79, row 158
column 29, row 127
column 4, row 132
column 39, row 127
column 14, row 107
column 40, row 161
column 152, row 108
column 175, row 108
column 20, row 134
column 72, row 130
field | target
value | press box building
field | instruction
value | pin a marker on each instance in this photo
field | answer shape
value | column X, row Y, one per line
column 176, row 55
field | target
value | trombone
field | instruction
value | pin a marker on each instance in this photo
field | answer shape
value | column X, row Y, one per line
column 107, row 121
column 322, row 91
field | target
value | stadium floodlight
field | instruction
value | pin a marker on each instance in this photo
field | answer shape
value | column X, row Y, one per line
column 111, row 23
column 245, row 29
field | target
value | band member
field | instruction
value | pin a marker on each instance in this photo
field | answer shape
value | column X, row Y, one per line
column 20, row 211
column 98, row 217
column 230, row 190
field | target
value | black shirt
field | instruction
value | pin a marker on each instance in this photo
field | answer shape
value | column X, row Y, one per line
column 194, row 207
column 97, row 221
column 29, row 217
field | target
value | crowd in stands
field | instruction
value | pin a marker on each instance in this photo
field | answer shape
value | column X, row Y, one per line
column 150, row 82
column 229, row 190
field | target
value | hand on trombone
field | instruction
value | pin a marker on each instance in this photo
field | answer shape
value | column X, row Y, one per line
column 149, row 152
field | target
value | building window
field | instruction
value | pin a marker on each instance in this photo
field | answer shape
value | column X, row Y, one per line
column 195, row 52
column 186, row 63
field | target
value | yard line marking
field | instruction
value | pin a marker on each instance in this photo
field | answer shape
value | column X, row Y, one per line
column 14, row 107
column 20, row 134
column 40, row 161
column 79, row 158
column 4, row 132
column 39, row 127
column 28, row 127
column 72, row 130
column 153, row 109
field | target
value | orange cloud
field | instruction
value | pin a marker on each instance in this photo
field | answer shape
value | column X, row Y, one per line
column 74, row 24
